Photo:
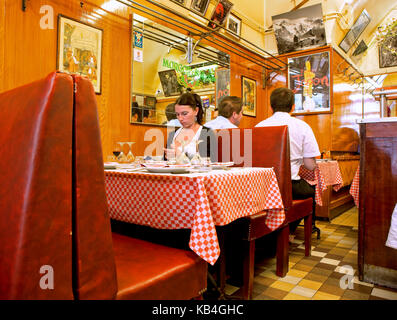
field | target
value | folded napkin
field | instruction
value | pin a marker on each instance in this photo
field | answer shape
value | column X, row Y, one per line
column 392, row 238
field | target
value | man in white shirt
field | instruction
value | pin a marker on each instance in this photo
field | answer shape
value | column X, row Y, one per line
column 303, row 144
column 230, row 114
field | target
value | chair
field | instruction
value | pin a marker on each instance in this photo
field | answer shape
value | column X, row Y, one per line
column 270, row 148
column 36, row 193
column 54, row 218
column 144, row 270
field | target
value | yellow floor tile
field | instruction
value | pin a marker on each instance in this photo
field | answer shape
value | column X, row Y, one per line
column 324, row 296
column 293, row 296
column 297, row 273
column 269, row 274
column 282, row 285
column 310, row 284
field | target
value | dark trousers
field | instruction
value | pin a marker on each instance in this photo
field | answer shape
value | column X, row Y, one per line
column 302, row 190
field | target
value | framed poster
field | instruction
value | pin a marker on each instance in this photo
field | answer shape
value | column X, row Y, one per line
column 169, row 82
column 234, row 25
column 220, row 13
column 354, row 33
column 200, row 6
column 248, row 94
column 309, row 79
column 80, row 50
column 222, row 76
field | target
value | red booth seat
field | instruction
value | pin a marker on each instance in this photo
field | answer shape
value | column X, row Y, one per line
column 54, row 210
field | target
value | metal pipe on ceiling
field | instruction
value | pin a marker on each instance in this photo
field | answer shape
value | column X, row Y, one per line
column 189, row 28
column 218, row 25
column 173, row 35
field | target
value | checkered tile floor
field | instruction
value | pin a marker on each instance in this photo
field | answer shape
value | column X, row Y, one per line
column 322, row 276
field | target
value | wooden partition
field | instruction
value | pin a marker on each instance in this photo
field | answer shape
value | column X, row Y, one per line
column 377, row 263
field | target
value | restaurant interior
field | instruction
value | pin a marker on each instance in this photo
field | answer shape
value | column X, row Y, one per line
column 85, row 88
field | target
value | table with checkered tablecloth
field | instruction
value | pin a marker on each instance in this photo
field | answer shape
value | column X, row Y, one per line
column 198, row 201
column 354, row 188
column 326, row 173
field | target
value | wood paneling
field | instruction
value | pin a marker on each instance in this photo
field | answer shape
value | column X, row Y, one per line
column 28, row 53
column 378, row 197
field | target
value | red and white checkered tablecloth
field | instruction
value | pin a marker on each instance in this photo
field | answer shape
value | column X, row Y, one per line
column 355, row 187
column 326, row 173
column 197, row 201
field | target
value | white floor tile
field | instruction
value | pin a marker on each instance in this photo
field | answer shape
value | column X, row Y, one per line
column 384, row 294
column 330, row 261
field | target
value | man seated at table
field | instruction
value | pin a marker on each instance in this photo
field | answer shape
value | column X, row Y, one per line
column 303, row 144
column 172, row 121
column 230, row 111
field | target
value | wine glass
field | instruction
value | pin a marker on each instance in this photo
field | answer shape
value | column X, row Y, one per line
column 121, row 157
column 116, row 151
column 130, row 156
column 197, row 160
column 182, row 158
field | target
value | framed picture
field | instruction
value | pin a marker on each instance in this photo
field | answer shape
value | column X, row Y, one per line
column 309, row 79
column 169, row 82
column 220, row 13
column 362, row 46
column 150, row 102
column 248, row 93
column 200, row 6
column 80, row 50
column 234, row 25
column 222, row 85
column 299, row 29
column 354, row 33
column 181, row 2
column 386, row 57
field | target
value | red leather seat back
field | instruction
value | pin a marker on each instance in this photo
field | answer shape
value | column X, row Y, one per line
column 260, row 147
column 36, row 191
column 94, row 267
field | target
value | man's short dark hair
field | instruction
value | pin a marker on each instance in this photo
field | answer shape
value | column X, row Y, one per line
column 170, row 111
column 228, row 105
column 282, row 99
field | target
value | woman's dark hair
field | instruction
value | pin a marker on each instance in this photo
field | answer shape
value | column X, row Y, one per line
column 193, row 100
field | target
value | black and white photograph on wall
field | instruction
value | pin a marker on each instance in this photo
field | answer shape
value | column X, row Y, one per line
column 234, row 25
column 169, row 82
column 300, row 29
column 220, row 13
column 309, row 79
column 354, row 33
column 387, row 52
column 200, row 6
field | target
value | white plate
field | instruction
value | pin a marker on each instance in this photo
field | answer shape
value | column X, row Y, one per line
column 221, row 165
column 167, row 170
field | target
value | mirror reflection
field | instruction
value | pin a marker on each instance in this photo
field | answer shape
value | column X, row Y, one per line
column 166, row 64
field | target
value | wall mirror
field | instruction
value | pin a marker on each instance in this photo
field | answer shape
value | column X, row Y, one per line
column 165, row 64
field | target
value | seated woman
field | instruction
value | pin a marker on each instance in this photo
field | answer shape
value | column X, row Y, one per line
column 189, row 112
